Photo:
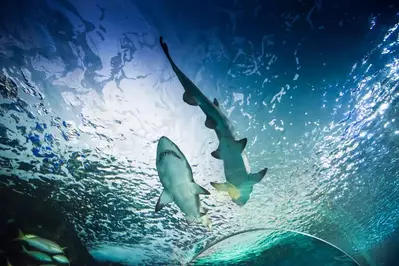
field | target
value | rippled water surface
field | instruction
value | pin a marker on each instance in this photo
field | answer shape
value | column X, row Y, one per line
column 86, row 93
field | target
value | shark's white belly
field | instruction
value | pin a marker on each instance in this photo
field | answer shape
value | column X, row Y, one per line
column 187, row 201
column 173, row 172
column 177, row 179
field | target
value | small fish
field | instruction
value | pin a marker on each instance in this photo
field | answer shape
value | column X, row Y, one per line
column 8, row 263
column 37, row 255
column 39, row 243
column 61, row 259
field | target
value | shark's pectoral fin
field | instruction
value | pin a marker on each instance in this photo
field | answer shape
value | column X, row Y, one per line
column 256, row 177
column 227, row 187
column 187, row 98
column 216, row 154
column 163, row 200
column 216, row 102
column 197, row 189
column 242, row 143
column 210, row 123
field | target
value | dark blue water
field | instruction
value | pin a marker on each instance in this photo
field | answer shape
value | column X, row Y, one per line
column 86, row 93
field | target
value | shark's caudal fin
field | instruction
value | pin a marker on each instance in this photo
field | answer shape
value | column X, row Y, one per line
column 227, row 187
column 257, row 177
column 204, row 219
column 163, row 200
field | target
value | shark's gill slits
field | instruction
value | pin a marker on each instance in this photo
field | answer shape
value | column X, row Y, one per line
column 168, row 152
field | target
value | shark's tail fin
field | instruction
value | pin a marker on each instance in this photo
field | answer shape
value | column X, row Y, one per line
column 234, row 193
column 257, row 177
column 204, row 219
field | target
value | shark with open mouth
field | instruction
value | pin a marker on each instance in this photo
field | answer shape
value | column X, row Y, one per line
column 176, row 177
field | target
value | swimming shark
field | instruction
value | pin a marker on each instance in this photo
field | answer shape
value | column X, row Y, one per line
column 239, row 179
column 179, row 186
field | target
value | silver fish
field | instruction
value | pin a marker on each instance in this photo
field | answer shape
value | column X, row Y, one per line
column 40, row 243
column 61, row 259
column 37, row 255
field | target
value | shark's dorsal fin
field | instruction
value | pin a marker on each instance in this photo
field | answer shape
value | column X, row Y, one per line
column 216, row 154
column 210, row 123
column 187, row 98
column 163, row 200
column 256, row 177
column 242, row 143
column 197, row 189
column 216, row 102
column 227, row 187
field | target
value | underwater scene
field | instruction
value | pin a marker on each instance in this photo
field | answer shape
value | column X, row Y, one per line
column 182, row 132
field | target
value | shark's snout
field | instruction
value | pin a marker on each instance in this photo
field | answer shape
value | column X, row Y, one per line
column 167, row 147
column 165, row 143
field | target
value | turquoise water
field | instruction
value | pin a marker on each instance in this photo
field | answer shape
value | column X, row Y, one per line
column 86, row 93
column 272, row 247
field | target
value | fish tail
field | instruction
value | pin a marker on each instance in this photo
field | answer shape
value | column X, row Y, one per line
column 233, row 191
column 206, row 222
column 21, row 236
column 24, row 250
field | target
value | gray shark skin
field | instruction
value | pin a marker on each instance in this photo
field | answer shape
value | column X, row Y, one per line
column 177, row 179
column 239, row 179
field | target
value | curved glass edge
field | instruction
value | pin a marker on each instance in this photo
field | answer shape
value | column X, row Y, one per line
column 270, row 230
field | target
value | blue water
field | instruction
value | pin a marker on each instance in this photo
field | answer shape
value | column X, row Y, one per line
column 313, row 85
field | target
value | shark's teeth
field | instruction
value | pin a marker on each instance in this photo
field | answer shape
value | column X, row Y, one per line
column 168, row 152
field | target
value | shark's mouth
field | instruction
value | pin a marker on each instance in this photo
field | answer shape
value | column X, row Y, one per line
column 168, row 152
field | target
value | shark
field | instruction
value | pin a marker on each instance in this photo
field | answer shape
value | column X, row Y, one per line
column 239, row 179
column 176, row 176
